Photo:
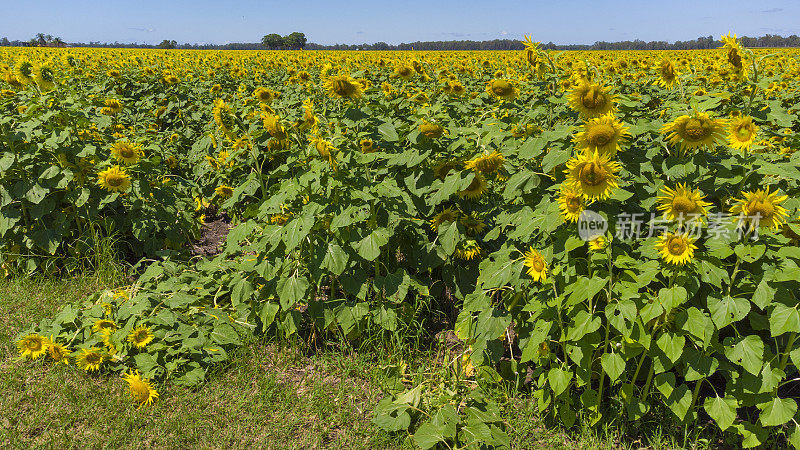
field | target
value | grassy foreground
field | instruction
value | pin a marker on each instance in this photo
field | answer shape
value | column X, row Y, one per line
column 272, row 395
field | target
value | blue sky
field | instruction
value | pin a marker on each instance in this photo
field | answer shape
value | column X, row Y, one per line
column 359, row 21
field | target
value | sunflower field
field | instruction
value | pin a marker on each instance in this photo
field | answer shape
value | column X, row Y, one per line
column 615, row 233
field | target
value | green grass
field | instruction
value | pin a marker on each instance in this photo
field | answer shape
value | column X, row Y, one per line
column 271, row 395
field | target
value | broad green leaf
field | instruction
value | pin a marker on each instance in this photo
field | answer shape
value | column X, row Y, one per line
column 784, row 319
column 728, row 310
column 613, row 364
column 369, row 248
column 747, row 352
column 722, row 410
column 291, row 290
column 777, row 412
column 559, row 380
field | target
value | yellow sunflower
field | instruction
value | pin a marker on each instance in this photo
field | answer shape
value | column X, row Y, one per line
column 473, row 223
column 537, row 267
column 223, row 115
column 224, row 191
column 502, row 89
column 742, row 133
column 677, row 249
column 570, row 202
column 90, row 359
column 58, row 352
column 140, row 388
column 599, row 243
column 762, row 207
column 735, row 53
column 367, row 146
column 265, row 95
column 695, row 131
column 448, row 215
column 114, row 179
column 682, row 203
column 24, row 72
column 602, row 134
column 272, row 123
column 44, row 77
column 486, row 163
column 343, row 86
column 126, row 152
column 593, row 173
column 591, row 99
column 475, row 189
column 468, row 250
column 667, row 74
column 140, row 336
column 431, row 130
column 113, row 107
column 32, row 346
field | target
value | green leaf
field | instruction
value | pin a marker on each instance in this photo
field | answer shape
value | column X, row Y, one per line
column 391, row 416
column 296, row 230
column 449, row 236
column 388, row 132
column 428, row 435
column 728, row 310
column 335, row 258
column 784, row 319
column 722, row 410
column 369, row 248
column 777, row 412
column 559, row 380
column 291, row 290
column 613, row 364
column 672, row 345
column 748, row 352
column 268, row 312
column 583, row 324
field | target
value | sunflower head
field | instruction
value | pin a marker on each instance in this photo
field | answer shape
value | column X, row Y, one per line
column 126, row 152
column 367, row 146
column 32, row 346
column 602, row 134
column 570, row 202
column 742, row 133
column 90, row 359
column 141, row 390
column 486, row 163
column 468, row 250
column 537, row 267
column 224, row 191
column 591, row 99
column 473, row 223
column 762, row 208
column 677, row 249
column 223, row 115
column 448, row 215
column 682, row 203
column 114, row 179
column 431, row 130
column 343, row 86
column 594, row 174
column 695, row 131
column 58, row 352
column 502, row 89
column 140, row 336
column 265, row 95
column 667, row 74
column 476, row 188
column 44, row 77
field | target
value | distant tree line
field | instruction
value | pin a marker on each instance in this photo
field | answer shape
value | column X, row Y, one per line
column 297, row 40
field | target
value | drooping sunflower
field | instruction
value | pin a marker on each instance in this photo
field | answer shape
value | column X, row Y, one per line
column 343, row 86
column 695, row 131
column 444, row 167
column 502, row 89
column 599, row 243
column 309, row 120
column 486, row 163
column 140, row 336
column 467, row 250
column 593, row 173
column 602, row 134
column 126, row 152
column 223, row 116
column 140, row 388
column 570, row 202
column 735, row 53
column 367, row 146
column 448, row 215
column 591, row 99
column 667, row 74
column 265, row 95
column 537, row 267
column 24, row 72
column 677, row 249
column 32, row 346
column 58, row 352
column 403, row 71
column 113, row 107
column 762, row 208
column 224, row 191
column 475, row 189
column 742, row 133
column 431, row 130
column 682, row 203
column 272, row 123
column 114, row 179
column 90, row 359
column 44, row 77
column 473, row 223
column 102, row 325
